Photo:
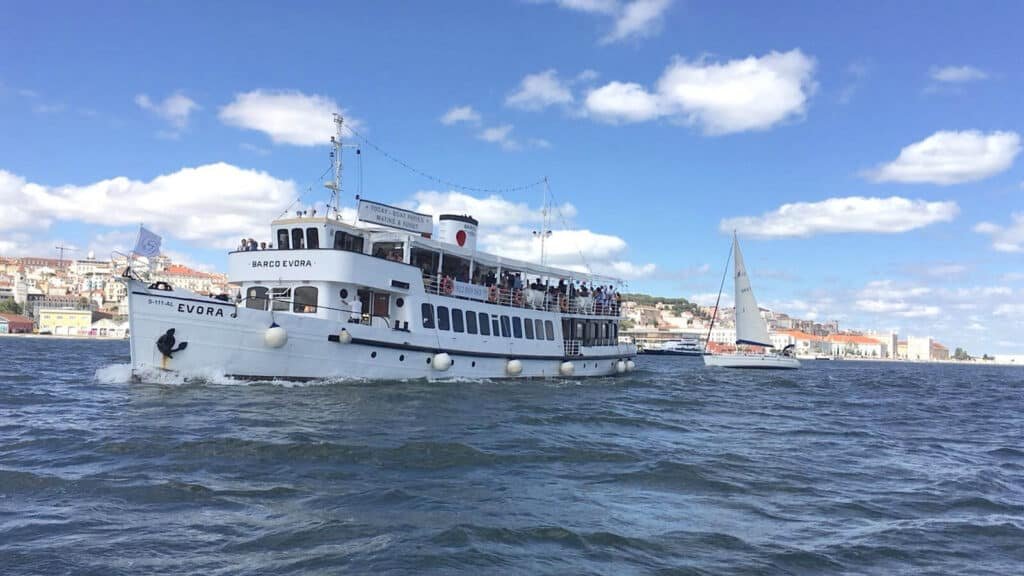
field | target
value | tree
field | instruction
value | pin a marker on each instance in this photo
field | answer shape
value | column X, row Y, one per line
column 961, row 354
column 10, row 307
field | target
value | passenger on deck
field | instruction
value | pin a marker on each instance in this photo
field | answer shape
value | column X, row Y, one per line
column 357, row 311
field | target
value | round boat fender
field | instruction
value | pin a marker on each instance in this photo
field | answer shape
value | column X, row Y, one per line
column 447, row 286
column 514, row 367
column 492, row 294
column 620, row 366
column 517, row 297
column 345, row 337
column 566, row 368
column 563, row 303
column 441, row 362
column 275, row 336
column 630, row 365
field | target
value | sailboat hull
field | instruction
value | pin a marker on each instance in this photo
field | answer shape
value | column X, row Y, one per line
column 752, row 361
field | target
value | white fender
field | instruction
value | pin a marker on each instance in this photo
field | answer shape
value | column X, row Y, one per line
column 566, row 368
column 630, row 365
column 441, row 362
column 514, row 367
column 620, row 366
column 345, row 337
column 275, row 337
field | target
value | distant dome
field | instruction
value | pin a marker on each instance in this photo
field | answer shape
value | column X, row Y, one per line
column 92, row 255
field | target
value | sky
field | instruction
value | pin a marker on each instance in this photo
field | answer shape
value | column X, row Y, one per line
column 867, row 154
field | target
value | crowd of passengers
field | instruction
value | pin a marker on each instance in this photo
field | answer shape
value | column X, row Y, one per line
column 250, row 244
column 604, row 300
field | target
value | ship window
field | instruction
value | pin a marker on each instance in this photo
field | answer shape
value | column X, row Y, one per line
column 505, row 327
column 471, row 322
column 428, row 315
column 550, row 329
column 305, row 300
column 348, row 242
column 517, row 326
column 457, row 268
column 495, row 326
column 425, row 260
column 312, row 238
column 297, row 239
column 443, row 322
column 457, row 324
column 539, row 328
column 282, row 238
column 528, row 325
column 393, row 251
column 485, row 324
column 281, row 298
column 256, row 298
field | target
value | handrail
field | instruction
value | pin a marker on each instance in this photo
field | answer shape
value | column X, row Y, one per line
column 528, row 298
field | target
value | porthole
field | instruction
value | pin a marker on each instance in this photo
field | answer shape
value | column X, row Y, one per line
column 373, row 354
column 399, row 302
column 343, row 293
column 401, row 357
column 428, row 359
column 473, row 364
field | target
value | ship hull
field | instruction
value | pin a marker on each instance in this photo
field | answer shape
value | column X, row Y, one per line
column 752, row 361
column 225, row 339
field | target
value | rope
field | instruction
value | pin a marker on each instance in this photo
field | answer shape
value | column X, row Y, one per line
column 439, row 180
column 719, row 299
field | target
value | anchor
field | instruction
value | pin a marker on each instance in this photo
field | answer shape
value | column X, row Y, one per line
column 165, row 344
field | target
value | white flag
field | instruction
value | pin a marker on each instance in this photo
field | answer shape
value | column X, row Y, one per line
column 148, row 244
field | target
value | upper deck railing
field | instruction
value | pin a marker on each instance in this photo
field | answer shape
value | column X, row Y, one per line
column 550, row 299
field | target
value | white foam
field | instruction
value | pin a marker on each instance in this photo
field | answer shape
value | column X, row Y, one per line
column 114, row 374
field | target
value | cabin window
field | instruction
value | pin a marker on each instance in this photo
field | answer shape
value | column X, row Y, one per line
column 305, row 300
column 615, row 333
column 425, row 260
column 506, row 326
column 347, row 242
column 495, row 326
column 485, row 324
column 393, row 251
column 457, row 324
column 443, row 322
column 517, row 327
column 281, row 297
column 539, row 325
column 282, row 238
column 528, row 328
column 550, row 327
column 312, row 238
column 298, row 243
column 457, row 268
column 484, row 275
column 471, row 322
column 256, row 298
column 428, row 315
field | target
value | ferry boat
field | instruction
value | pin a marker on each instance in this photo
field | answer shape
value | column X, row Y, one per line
column 685, row 347
column 386, row 299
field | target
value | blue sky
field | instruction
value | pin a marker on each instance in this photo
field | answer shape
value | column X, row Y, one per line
column 891, row 129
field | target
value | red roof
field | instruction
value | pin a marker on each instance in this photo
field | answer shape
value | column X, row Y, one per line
column 14, row 319
column 852, row 339
column 179, row 270
column 799, row 335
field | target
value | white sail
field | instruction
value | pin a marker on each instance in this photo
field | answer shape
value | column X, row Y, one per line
column 750, row 328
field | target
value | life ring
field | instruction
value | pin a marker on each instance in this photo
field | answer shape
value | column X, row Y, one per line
column 492, row 294
column 563, row 303
column 447, row 286
column 517, row 297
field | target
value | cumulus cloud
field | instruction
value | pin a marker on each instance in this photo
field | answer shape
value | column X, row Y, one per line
column 638, row 19
column 501, row 135
column 839, row 215
column 538, row 91
column 175, row 109
column 1008, row 238
column 460, row 114
column 754, row 93
column 948, row 157
column 957, row 74
column 287, row 117
column 506, row 229
column 213, row 204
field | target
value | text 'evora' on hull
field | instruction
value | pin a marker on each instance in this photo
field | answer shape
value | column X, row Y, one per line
column 388, row 299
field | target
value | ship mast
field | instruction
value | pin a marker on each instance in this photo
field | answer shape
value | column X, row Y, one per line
column 335, row 185
column 545, row 228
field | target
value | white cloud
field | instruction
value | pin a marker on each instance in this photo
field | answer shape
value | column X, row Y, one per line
column 880, row 306
column 506, row 229
column 945, row 270
column 212, row 205
column 754, row 93
column 957, row 74
column 948, row 157
column 590, row 6
column 637, row 19
column 920, row 312
column 288, row 117
column 501, row 135
column 1015, row 311
column 841, row 215
column 461, row 114
column 1009, row 238
column 538, row 91
column 175, row 109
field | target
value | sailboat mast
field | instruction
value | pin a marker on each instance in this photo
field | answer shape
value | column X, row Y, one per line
column 718, row 300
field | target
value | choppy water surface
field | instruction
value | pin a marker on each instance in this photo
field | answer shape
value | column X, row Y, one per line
column 836, row 468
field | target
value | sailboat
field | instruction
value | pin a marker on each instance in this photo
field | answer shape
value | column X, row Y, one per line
column 750, row 327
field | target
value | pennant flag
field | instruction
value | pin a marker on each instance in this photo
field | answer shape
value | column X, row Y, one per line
column 148, row 244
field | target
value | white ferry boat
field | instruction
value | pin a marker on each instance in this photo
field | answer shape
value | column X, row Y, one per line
column 687, row 346
column 393, row 300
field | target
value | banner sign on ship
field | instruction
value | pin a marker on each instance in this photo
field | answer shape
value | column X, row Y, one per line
column 395, row 217
column 467, row 290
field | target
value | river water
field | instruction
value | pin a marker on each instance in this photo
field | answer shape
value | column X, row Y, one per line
column 840, row 467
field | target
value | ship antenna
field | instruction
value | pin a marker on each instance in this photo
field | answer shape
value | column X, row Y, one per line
column 335, row 185
column 545, row 229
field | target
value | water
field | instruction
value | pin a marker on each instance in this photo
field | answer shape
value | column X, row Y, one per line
column 840, row 467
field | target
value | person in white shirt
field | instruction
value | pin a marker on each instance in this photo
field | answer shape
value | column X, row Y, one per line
column 357, row 311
